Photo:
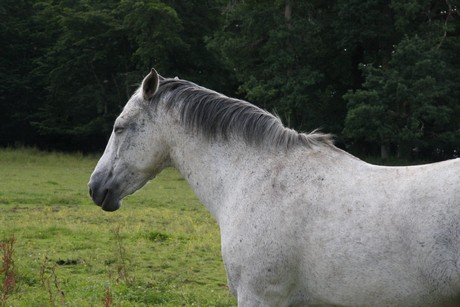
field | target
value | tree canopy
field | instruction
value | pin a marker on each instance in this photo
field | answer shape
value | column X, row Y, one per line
column 383, row 76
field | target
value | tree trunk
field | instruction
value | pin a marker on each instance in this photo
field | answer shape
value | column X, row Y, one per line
column 384, row 151
column 288, row 11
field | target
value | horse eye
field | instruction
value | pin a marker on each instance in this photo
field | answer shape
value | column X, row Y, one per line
column 118, row 129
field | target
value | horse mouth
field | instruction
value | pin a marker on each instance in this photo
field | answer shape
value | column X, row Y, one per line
column 106, row 199
column 110, row 202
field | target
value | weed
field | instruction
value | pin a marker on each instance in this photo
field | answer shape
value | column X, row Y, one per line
column 108, row 297
column 50, row 283
column 7, row 270
column 156, row 236
column 122, row 260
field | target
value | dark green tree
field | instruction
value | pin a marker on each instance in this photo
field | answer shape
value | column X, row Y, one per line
column 20, row 89
column 283, row 56
column 98, row 55
column 153, row 28
column 98, row 52
column 410, row 102
column 380, row 74
column 194, row 61
column 77, row 68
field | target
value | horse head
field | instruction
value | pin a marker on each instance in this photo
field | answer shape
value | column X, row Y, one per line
column 136, row 150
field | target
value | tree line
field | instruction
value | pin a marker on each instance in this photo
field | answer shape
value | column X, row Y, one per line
column 383, row 76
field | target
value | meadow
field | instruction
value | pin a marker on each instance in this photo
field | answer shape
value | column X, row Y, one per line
column 162, row 248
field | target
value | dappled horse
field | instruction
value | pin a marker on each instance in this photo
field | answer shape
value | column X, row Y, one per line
column 302, row 222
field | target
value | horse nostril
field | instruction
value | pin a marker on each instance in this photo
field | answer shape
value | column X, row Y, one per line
column 90, row 192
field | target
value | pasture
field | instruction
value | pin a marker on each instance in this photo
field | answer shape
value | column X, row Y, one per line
column 161, row 248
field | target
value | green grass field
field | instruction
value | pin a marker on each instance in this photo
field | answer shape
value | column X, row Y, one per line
column 162, row 248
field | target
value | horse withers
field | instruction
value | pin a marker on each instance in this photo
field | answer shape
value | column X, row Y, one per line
column 302, row 222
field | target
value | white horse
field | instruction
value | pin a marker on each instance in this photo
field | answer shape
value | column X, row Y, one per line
column 302, row 222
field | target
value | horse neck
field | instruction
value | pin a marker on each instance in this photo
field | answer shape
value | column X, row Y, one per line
column 212, row 169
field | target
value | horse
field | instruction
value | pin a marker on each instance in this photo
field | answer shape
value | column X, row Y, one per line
column 302, row 222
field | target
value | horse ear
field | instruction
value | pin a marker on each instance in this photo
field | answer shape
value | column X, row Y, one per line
column 150, row 84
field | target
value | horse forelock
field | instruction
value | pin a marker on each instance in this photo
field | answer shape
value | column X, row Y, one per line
column 215, row 115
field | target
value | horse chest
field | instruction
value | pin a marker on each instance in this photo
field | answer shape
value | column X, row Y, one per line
column 260, row 268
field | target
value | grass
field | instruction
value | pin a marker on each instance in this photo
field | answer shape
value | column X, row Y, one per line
column 161, row 248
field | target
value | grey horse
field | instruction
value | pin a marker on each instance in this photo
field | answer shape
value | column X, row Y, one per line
column 302, row 222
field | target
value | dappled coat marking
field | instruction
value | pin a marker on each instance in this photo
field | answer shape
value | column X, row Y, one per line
column 302, row 222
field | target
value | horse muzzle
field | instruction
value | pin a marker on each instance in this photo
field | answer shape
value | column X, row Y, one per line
column 105, row 196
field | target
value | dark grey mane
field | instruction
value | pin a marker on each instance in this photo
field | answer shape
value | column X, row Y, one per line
column 215, row 115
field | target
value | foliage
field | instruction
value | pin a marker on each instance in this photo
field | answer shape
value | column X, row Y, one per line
column 87, row 59
column 374, row 72
column 7, row 270
column 19, row 99
column 410, row 102
column 84, row 88
column 279, row 53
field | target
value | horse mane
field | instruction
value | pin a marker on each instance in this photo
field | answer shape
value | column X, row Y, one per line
column 215, row 115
